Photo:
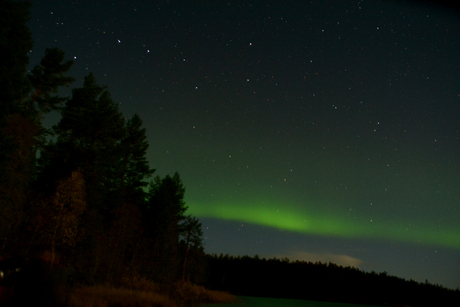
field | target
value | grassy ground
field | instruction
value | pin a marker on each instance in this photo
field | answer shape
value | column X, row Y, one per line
column 105, row 296
column 143, row 293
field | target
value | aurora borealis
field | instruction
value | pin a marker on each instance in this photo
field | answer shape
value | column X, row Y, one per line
column 327, row 225
column 314, row 130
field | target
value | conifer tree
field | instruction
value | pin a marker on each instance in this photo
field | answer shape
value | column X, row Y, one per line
column 162, row 216
column 89, row 137
column 191, row 236
column 134, row 165
column 46, row 79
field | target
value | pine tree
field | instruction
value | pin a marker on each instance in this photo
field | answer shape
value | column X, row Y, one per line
column 162, row 216
column 191, row 236
column 89, row 138
column 134, row 165
column 125, row 232
column 46, row 79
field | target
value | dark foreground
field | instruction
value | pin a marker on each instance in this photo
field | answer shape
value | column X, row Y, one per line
column 39, row 284
column 249, row 301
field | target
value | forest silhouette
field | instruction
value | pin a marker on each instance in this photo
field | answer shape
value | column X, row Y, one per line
column 82, row 192
column 81, row 196
column 281, row 278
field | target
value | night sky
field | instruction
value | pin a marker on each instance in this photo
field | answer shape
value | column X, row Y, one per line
column 313, row 130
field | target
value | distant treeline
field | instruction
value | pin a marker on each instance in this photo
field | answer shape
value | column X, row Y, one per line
column 281, row 278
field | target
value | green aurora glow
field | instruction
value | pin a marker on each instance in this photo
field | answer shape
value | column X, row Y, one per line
column 327, row 224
